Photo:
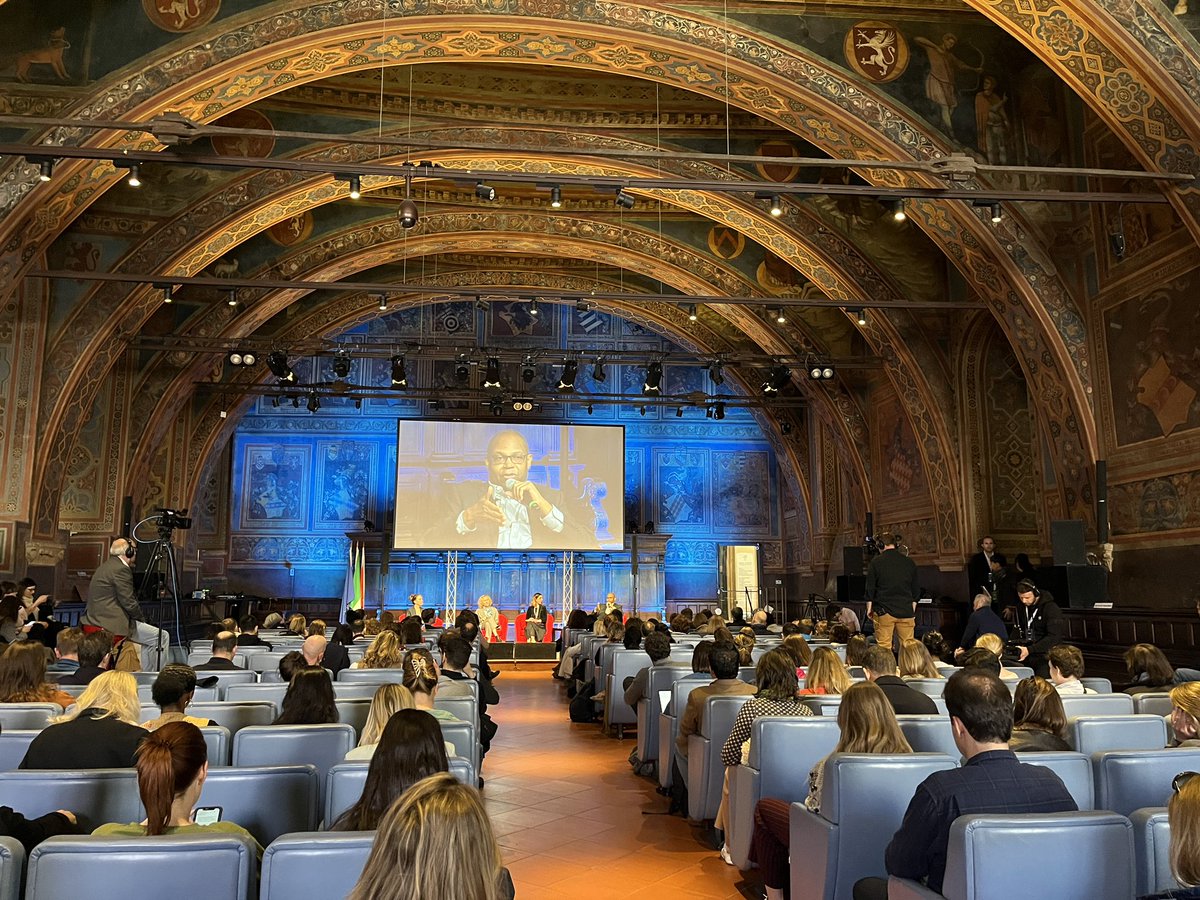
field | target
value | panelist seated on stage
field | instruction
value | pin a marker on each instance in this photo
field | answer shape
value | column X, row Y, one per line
column 509, row 511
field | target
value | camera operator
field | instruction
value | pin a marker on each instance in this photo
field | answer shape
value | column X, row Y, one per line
column 1039, row 626
column 113, row 606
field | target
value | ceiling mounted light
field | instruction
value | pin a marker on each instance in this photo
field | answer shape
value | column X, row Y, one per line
column 897, row 209
column 485, row 191
column 240, row 358
column 780, row 316
column 462, row 369
column 355, row 187
column 295, row 402
column 716, row 372
column 589, row 409
column 383, row 302
column 777, row 377
column 275, row 401
column 358, row 402
column 528, row 370
column 624, row 199
column 827, row 373
column 862, row 316
column 653, row 382
column 497, row 408
column 599, row 374
column 278, row 364
column 556, row 197
column 408, row 214
column 314, row 402
column 566, row 381
column 786, row 427
column 232, row 301
column 692, row 317
column 134, row 178
column 642, row 410
column 45, row 167
column 491, row 375
column 399, row 375
column 533, row 306
column 820, row 372
column 776, row 207
column 168, row 293
column 435, row 405
column 341, row 365
column 997, row 214
column 719, row 410
column 679, row 412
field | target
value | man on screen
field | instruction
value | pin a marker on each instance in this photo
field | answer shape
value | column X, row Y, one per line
column 510, row 512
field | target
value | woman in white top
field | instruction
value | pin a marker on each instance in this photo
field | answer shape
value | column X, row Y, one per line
column 489, row 620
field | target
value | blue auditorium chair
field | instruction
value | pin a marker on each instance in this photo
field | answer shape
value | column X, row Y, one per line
column 201, row 695
column 101, row 795
column 352, row 690
column 1132, row 779
column 144, row 677
column 371, row 676
column 1152, row 850
column 929, row 734
column 267, row 662
column 1098, row 705
column 463, row 708
column 353, row 713
column 823, row 705
column 930, row 687
column 997, row 857
column 1152, row 703
column 24, row 716
column 226, row 679
column 1022, row 672
column 165, row 867
column 746, row 674
column 464, row 737
column 783, row 749
column 1075, row 770
column 345, row 783
column 863, row 800
column 12, row 865
column 323, row 746
column 236, row 715
column 668, row 721
column 1099, row 685
column 265, row 800
column 1091, row 734
column 241, row 693
column 14, row 745
column 706, row 772
column 314, row 864
column 220, row 744
column 625, row 664
column 649, row 708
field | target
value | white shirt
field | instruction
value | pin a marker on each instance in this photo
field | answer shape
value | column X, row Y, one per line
column 515, row 533
column 1073, row 687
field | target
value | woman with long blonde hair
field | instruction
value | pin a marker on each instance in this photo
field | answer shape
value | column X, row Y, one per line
column 388, row 700
column 826, row 673
column 385, row 652
column 916, row 661
column 489, row 619
column 868, row 725
column 434, row 843
column 100, row 731
column 297, row 625
column 1183, row 815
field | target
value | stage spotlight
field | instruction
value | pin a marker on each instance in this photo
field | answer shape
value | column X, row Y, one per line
column 491, row 375
column 780, row 316
column 556, row 197
column 786, row 427
column 484, row 191
column 624, row 199
column 642, row 410
column 313, row 403
column 462, row 370
column 341, row 365
column 997, row 214
column 566, row 381
column 232, row 301
column 235, row 358
column 238, row 358
column 827, row 373
column 528, row 370
column 358, row 402
column 135, row 173
column 862, row 316
column 708, row 412
column 45, row 167
column 497, row 408
column 820, row 372
column 692, row 317
column 777, row 377
column 897, row 209
column 278, row 364
column 716, row 372
column 168, row 293
column 295, row 402
column 776, row 207
column 355, row 187
column 399, row 375
column 589, row 409
column 408, row 214
column 654, row 374
column 719, row 411
column 533, row 307
column 275, row 401
column 383, row 302
column 679, row 412
column 599, row 375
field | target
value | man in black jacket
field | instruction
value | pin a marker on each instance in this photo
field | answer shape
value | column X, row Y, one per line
column 892, row 591
column 880, row 667
column 1039, row 626
column 986, row 569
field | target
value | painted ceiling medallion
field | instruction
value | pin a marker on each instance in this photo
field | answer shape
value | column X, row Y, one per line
column 877, row 51
column 180, row 16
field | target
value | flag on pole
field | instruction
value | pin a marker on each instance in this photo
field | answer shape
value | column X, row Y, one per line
column 360, row 578
column 348, row 586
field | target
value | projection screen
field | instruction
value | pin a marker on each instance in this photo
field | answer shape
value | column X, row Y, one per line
column 493, row 486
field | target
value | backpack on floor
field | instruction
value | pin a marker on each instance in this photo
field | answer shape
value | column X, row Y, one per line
column 583, row 707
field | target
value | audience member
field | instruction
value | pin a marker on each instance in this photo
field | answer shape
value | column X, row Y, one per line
column 289, row 663
column 801, row 653
column 372, row 628
column 100, row 731
column 12, row 618
column 385, row 652
column 410, row 748
column 983, row 620
column 1066, row 668
column 248, row 633
column 272, row 620
column 31, row 832
column 1149, row 670
column 723, row 665
column 66, row 651
column 456, row 667
column 856, row 649
column 95, row 656
column 702, row 657
column 915, row 661
column 1039, row 720
column 1183, row 817
column 658, row 648
column 631, row 638
column 745, row 647
column 1185, row 714
column 826, row 674
column 993, row 645
column 938, row 648
column 981, row 658
column 412, row 631
column 839, row 634
column 1039, row 626
column 313, row 650
column 389, row 699
column 880, row 667
column 990, row 781
column 297, row 626
column 435, row 843
column 172, row 692
column 23, row 676
column 172, row 764
column 421, row 677
column 775, row 696
column 868, row 725
column 309, row 699
column 223, row 647
column 836, row 614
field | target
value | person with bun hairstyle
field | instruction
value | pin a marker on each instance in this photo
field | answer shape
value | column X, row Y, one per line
column 172, row 764
column 421, row 677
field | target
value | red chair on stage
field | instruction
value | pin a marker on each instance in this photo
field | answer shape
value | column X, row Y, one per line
column 547, row 638
column 502, row 628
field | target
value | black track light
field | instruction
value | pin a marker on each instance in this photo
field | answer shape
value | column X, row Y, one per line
column 168, row 293
column 780, row 315
column 625, row 200
column 528, row 370
column 777, row 377
column 491, row 375
column 776, row 207
column 408, row 214
column 679, row 412
column 295, row 402
column 692, row 317
column 355, row 187
column 314, row 402
column 278, row 364
column 485, row 191
column 599, row 375
column 399, row 375
column 653, row 382
column 589, row 409
column 497, row 408
column 567, row 381
column 716, row 373
column 135, row 173
column 997, row 214
column 45, row 166
column 462, row 369
column 862, row 316
column 383, row 302
column 642, row 410
column 533, row 307
column 897, row 210
column 785, row 427
column 275, row 401
column 341, row 365
column 435, row 405
column 719, row 410
column 232, row 300
column 556, row 197
column 358, row 402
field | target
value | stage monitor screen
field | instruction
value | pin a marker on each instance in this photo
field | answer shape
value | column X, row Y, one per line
column 493, row 486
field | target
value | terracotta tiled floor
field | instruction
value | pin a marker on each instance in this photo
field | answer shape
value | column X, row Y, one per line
column 568, row 810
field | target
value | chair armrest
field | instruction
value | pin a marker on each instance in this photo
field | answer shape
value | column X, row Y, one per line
column 907, row 889
column 819, row 839
column 743, row 797
column 666, row 748
column 697, row 775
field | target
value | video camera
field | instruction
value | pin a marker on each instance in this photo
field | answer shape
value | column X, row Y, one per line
column 171, row 519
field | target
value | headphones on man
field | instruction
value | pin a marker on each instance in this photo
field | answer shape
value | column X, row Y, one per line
column 1025, row 586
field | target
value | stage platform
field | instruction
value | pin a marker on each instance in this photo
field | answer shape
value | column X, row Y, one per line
column 510, row 651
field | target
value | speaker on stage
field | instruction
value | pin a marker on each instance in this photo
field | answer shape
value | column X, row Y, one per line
column 852, row 561
column 1067, row 542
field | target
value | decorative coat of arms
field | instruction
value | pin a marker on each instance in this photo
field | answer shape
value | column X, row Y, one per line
column 877, row 51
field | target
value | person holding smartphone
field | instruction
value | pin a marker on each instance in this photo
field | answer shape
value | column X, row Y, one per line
column 172, row 764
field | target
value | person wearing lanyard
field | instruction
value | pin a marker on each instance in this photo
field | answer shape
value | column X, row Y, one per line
column 1040, row 626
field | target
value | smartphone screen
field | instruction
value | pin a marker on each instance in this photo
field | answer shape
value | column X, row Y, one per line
column 206, row 815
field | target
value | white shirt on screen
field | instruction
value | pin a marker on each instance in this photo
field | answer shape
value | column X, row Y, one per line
column 515, row 533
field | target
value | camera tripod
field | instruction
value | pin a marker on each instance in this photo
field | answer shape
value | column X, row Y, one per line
column 160, row 578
